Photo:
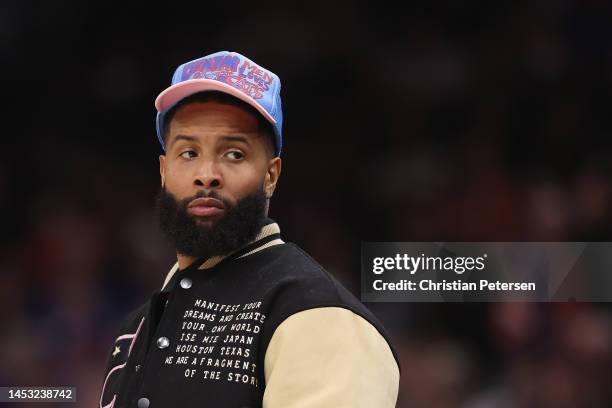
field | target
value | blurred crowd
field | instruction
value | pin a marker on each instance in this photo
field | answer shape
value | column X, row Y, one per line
column 440, row 121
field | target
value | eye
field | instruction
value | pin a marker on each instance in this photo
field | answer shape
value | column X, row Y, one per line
column 188, row 154
column 235, row 155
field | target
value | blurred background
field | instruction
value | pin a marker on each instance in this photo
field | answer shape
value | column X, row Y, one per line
column 438, row 121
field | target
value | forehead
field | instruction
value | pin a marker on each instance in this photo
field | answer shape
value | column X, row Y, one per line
column 213, row 116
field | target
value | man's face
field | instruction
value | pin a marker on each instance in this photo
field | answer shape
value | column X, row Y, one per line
column 215, row 160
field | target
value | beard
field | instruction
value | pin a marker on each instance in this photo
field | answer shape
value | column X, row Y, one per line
column 236, row 228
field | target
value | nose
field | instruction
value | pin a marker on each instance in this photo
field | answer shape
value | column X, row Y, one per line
column 208, row 176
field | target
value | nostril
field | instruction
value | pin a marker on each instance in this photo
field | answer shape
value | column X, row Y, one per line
column 214, row 183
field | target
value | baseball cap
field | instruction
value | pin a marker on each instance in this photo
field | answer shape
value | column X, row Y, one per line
column 230, row 73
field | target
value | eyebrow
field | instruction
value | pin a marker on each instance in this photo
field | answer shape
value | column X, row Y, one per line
column 227, row 138
column 183, row 137
column 236, row 138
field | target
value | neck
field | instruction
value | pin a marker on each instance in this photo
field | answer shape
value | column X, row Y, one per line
column 184, row 260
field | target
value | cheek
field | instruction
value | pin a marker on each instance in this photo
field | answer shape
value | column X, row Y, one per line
column 242, row 182
column 176, row 181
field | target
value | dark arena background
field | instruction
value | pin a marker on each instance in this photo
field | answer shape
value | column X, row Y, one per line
column 437, row 121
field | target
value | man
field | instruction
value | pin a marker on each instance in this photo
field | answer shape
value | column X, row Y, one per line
column 243, row 319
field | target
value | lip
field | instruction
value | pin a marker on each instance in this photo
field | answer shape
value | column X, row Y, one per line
column 205, row 207
column 207, row 202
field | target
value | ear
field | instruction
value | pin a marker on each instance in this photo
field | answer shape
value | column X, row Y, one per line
column 162, row 169
column 272, row 175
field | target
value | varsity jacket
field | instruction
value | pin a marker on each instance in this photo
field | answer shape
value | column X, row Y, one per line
column 265, row 326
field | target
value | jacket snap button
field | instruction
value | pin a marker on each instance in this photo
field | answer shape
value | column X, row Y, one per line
column 186, row 283
column 163, row 342
column 143, row 403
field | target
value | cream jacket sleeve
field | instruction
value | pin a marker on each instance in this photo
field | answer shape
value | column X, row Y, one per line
column 329, row 357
